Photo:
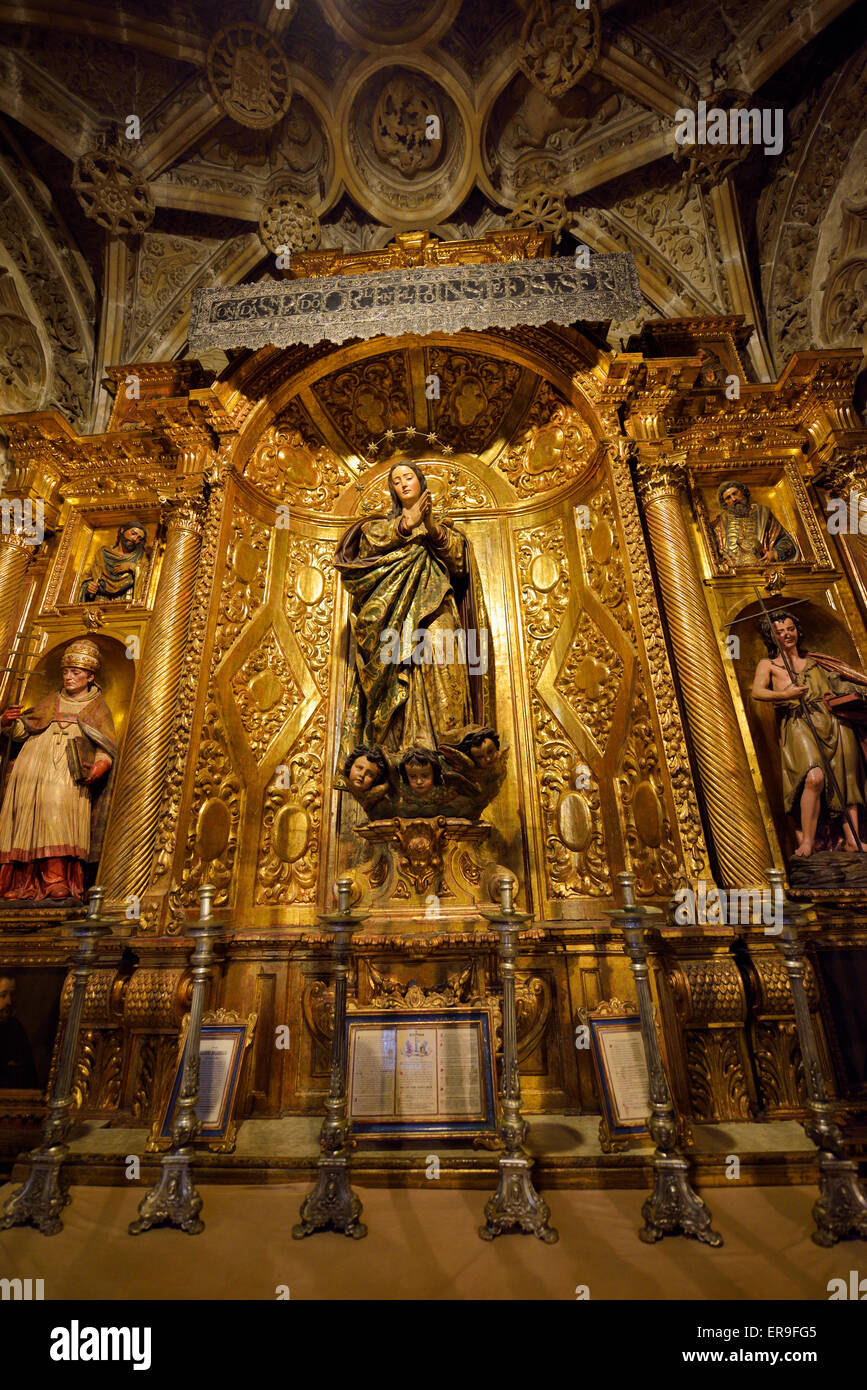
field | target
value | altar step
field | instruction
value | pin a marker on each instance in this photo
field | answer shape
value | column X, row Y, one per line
column 565, row 1148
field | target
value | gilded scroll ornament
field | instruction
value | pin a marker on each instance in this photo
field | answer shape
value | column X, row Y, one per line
column 266, row 692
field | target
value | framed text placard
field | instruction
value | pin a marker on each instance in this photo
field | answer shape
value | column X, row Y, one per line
column 225, row 1039
column 420, row 1072
column 621, row 1069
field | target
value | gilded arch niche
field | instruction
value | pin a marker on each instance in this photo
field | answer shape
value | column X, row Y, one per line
column 514, row 453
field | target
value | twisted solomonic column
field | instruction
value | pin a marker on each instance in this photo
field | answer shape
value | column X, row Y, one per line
column 132, row 827
column 15, row 556
column 726, row 783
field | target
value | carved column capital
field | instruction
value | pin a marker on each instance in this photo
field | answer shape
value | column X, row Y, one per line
column 184, row 513
column 16, row 540
column 660, row 473
column 843, row 472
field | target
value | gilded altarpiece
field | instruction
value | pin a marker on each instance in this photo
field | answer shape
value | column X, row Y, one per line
column 592, row 533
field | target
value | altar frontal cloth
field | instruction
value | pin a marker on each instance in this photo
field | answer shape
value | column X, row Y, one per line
column 420, row 300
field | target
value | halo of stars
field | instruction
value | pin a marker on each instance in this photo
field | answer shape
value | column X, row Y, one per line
column 371, row 449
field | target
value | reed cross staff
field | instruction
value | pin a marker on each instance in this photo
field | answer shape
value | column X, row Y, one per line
column 18, row 669
column 826, row 766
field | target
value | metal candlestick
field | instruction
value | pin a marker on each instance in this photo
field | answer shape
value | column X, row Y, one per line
column 174, row 1200
column 46, row 1190
column 841, row 1211
column 332, row 1203
column 673, row 1207
column 516, row 1201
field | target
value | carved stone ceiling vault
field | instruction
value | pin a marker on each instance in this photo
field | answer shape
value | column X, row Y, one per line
column 150, row 147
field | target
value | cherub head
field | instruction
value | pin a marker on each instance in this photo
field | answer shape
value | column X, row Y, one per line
column 420, row 770
column 365, row 767
column 482, row 746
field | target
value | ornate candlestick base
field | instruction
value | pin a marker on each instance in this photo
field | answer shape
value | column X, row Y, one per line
column 174, row 1201
column 841, row 1211
column 516, row 1203
column 44, row 1195
column 673, row 1207
column 46, row 1190
column 332, row 1205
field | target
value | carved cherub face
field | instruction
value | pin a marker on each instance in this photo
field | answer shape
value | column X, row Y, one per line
column 405, row 484
column 484, row 754
column 420, row 777
column 363, row 773
column 75, row 680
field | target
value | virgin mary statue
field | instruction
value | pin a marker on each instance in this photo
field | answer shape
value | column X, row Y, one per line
column 421, row 640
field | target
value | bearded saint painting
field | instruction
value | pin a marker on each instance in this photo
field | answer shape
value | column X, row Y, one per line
column 118, row 571
column 56, row 799
column 419, row 668
column 748, row 533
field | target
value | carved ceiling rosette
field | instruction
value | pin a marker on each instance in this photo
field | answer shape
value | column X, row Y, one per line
column 381, row 22
column 287, row 221
column 249, row 75
column 113, row 193
column 409, row 157
column 542, row 208
column 559, row 44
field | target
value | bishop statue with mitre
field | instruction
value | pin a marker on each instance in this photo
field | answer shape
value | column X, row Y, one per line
column 56, row 798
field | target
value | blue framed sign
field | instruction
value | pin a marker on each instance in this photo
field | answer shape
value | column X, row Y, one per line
column 621, row 1072
column 420, row 1073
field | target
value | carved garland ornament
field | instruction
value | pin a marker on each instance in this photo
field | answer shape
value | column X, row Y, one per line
column 113, row 193
column 249, row 75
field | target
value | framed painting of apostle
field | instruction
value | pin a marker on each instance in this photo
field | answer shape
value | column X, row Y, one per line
column 755, row 520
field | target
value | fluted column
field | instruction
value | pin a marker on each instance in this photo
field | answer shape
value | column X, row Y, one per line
column 131, row 832
column 726, row 784
column 15, row 556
